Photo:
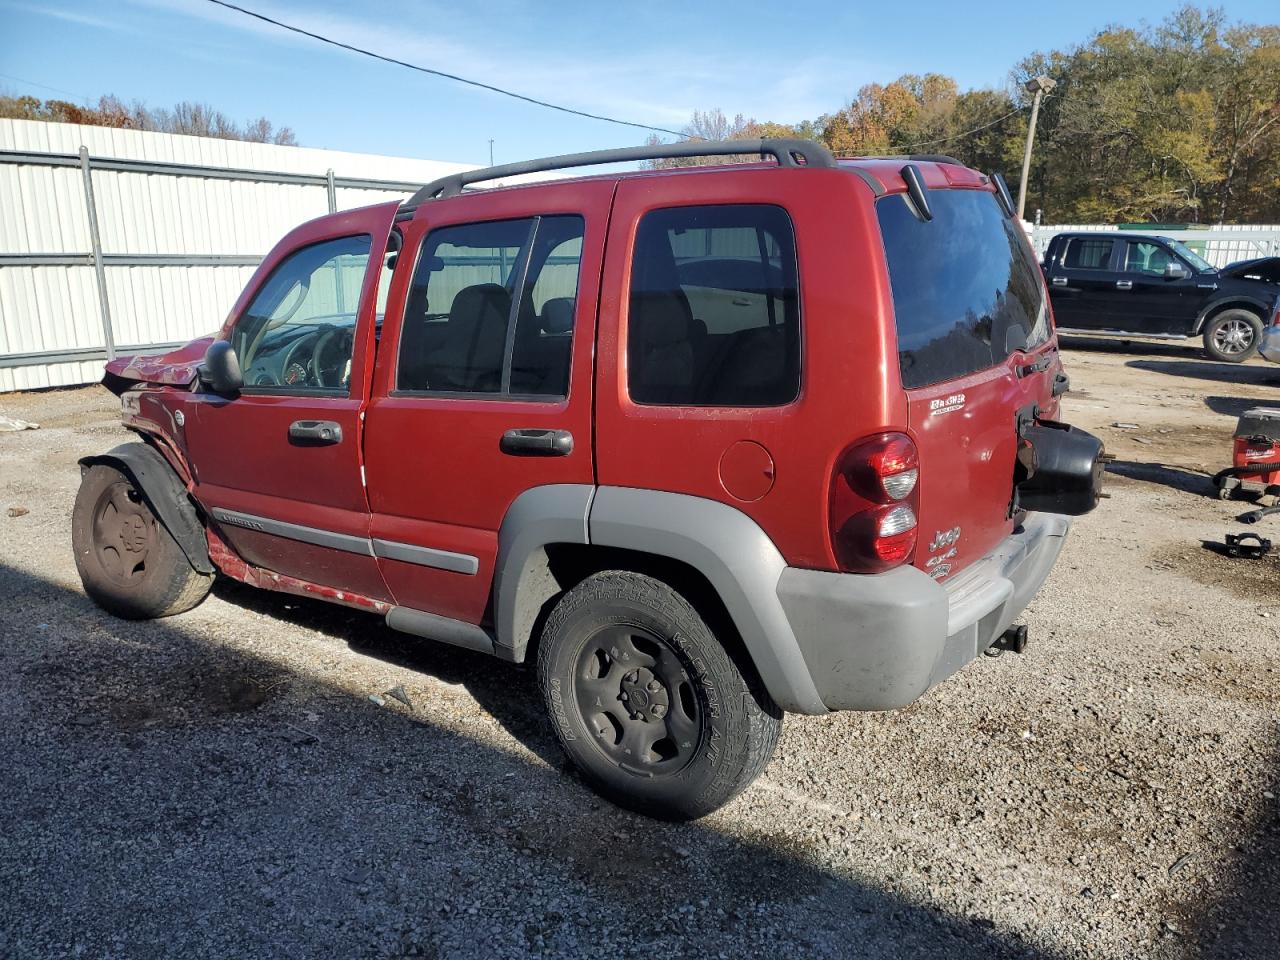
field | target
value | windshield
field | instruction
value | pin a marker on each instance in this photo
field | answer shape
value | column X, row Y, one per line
column 1199, row 263
column 966, row 290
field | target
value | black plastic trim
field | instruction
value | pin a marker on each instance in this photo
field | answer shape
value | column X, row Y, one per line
column 917, row 191
column 165, row 494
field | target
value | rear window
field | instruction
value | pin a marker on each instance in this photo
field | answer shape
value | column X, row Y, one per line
column 1083, row 253
column 966, row 291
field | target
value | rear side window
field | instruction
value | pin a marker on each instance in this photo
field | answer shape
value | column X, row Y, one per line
column 491, row 309
column 1083, row 253
column 714, row 309
column 966, row 291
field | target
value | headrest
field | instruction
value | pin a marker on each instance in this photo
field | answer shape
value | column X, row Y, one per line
column 557, row 315
column 661, row 317
column 481, row 301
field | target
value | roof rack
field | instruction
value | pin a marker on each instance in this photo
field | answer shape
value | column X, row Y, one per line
column 788, row 153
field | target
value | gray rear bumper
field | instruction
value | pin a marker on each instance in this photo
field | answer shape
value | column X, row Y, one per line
column 1269, row 346
column 879, row 642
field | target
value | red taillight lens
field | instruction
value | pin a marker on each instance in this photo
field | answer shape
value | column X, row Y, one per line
column 873, row 503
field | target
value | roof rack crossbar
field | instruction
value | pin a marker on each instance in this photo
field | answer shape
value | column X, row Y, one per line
column 788, row 153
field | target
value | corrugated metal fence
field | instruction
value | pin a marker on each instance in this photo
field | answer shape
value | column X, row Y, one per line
column 130, row 241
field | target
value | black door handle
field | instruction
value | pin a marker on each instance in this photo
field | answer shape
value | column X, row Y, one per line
column 537, row 443
column 314, row 433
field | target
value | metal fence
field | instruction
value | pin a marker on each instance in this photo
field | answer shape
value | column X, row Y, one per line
column 106, row 341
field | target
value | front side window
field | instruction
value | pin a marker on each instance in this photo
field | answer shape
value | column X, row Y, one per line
column 966, row 290
column 491, row 309
column 298, row 333
column 1200, row 264
column 714, row 309
column 1087, row 254
column 1147, row 258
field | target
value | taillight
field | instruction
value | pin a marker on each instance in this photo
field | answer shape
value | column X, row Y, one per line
column 1275, row 320
column 873, row 504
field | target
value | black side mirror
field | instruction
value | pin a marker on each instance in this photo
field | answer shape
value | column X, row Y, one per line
column 221, row 368
column 1176, row 271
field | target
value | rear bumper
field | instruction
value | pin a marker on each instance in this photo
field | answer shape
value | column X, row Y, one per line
column 1269, row 347
column 879, row 642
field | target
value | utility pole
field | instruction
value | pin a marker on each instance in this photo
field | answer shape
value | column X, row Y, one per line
column 1039, row 86
column 491, row 150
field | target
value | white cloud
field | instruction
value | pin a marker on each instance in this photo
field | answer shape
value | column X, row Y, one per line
column 660, row 85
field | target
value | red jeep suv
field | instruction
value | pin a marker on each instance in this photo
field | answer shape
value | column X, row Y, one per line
column 708, row 444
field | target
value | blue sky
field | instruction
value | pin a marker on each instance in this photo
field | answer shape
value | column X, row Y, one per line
column 651, row 62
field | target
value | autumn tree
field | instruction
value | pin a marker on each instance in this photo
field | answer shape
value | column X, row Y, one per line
column 1174, row 122
column 193, row 119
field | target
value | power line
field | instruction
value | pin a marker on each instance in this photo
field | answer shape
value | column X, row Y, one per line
column 441, row 73
column 45, row 86
column 958, row 136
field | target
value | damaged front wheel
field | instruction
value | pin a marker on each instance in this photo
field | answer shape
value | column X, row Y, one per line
column 129, row 563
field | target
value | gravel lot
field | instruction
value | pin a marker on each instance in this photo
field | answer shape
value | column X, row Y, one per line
column 220, row 785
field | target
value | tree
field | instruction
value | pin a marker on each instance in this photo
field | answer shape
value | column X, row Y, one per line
column 194, row 119
column 1168, row 123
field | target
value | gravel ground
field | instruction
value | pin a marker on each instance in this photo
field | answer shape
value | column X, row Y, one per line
column 219, row 784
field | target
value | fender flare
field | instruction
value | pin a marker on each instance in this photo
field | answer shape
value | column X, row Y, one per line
column 726, row 546
column 1234, row 300
column 164, row 493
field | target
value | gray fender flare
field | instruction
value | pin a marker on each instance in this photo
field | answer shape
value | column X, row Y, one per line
column 165, row 494
column 556, row 513
column 737, row 558
column 723, row 544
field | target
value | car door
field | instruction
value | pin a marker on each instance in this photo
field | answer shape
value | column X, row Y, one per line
column 279, row 465
column 1154, row 303
column 1082, row 284
column 483, row 386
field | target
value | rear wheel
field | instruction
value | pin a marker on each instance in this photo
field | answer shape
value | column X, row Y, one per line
column 1233, row 335
column 129, row 563
column 647, row 703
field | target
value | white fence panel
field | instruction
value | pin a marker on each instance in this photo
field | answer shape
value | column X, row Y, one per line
column 228, row 209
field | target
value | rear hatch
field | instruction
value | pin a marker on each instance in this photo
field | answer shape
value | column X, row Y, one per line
column 975, row 349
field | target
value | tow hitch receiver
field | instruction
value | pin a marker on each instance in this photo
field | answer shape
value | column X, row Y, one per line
column 1015, row 639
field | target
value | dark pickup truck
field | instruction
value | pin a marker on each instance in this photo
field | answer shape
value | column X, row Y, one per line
column 1150, row 286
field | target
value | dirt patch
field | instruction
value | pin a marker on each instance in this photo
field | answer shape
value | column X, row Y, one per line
column 1256, row 580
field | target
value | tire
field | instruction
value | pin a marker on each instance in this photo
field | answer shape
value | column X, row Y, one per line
column 621, row 640
column 1232, row 336
column 129, row 563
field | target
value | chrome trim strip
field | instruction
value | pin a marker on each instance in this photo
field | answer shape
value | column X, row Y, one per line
column 294, row 531
column 1084, row 332
column 426, row 557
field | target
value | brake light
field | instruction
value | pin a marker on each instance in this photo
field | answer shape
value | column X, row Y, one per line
column 1275, row 320
column 873, row 503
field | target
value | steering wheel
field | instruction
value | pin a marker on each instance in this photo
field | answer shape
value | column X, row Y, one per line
column 295, row 372
column 330, row 358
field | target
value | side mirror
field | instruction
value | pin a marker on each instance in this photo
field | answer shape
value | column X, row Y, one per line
column 221, row 368
column 1176, row 271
